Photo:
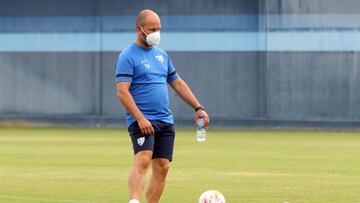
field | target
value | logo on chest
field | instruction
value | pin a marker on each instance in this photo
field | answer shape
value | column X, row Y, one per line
column 160, row 58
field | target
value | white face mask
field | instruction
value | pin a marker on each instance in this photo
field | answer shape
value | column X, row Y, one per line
column 152, row 39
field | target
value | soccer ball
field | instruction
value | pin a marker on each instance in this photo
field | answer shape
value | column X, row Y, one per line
column 212, row 196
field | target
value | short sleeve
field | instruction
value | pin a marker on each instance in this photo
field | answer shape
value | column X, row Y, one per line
column 123, row 69
column 172, row 74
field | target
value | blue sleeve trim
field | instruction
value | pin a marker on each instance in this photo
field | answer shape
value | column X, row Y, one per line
column 173, row 77
column 172, row 73
column 124, row 75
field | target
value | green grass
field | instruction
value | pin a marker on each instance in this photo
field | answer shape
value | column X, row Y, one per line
column 91, row 165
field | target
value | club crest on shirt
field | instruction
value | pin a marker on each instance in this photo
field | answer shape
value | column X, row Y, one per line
column 160, row 58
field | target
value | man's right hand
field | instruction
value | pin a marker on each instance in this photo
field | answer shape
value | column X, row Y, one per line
column 145, row 126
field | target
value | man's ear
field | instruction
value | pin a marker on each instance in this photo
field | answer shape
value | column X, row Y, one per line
column 138, row 29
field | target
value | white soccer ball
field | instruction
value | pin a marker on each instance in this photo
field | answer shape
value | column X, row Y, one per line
column 212, row 196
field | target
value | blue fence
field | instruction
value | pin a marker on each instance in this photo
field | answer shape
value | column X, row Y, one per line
column 251, row 63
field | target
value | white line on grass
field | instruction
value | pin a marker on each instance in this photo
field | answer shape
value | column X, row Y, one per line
column 47, row 200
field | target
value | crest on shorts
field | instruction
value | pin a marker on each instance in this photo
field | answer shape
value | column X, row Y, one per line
column 141, row 141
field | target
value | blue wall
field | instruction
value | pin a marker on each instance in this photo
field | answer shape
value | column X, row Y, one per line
column 258, row 61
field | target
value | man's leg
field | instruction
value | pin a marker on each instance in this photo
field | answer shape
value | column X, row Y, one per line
column 137, row 174
column 160, row 167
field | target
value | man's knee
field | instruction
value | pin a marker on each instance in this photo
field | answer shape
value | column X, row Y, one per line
column 143, row 160
column 161, row 166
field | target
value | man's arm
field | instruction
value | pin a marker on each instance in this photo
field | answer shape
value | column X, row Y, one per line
column 183, row 90
column 128, row 102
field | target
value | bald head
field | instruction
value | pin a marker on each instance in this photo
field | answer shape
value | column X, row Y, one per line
column 147, row 22
column 145, row 16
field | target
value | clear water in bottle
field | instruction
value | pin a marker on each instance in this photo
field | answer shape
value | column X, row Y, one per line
column 200, row 130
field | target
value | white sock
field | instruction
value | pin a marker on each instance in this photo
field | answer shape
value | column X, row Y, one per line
column 134, row 201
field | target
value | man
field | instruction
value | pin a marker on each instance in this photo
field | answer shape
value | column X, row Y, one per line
column 142, row 73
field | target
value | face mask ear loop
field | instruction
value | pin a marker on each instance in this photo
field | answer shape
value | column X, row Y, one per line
column 142, row 36
column 143, row 31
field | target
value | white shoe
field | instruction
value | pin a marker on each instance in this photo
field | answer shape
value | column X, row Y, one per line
column 134, row 201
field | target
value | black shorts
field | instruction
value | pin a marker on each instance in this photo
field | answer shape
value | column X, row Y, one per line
column 162, row 143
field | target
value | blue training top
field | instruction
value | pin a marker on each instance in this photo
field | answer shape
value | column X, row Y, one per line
column 148, row 70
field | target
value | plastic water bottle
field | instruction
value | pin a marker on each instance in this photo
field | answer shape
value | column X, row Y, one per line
column 200, row 130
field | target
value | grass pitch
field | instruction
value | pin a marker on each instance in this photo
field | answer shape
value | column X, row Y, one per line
column 91, row 166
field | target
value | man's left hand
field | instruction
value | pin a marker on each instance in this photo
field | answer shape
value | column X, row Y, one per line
column 204, row 115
